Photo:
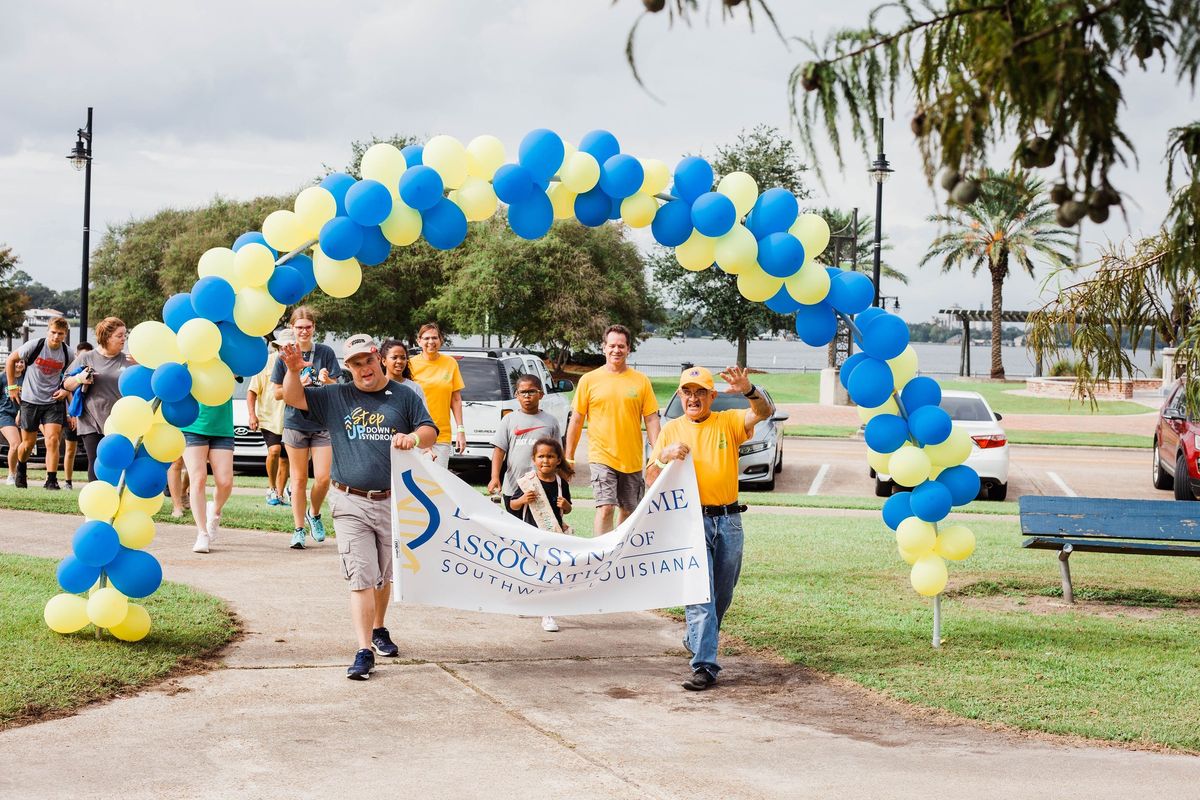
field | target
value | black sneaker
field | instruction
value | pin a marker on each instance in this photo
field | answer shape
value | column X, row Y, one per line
column 67, row 485
column 701, row 679
column 22, row 480
column 383, row 644
column 364, row 662
column 51, row 484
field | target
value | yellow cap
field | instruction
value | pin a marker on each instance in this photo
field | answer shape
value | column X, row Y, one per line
column 696, row 376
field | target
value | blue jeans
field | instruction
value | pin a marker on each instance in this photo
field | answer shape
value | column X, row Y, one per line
column 724, row 537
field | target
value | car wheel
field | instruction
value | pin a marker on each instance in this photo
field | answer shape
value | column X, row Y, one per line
column 1183, row 487
column 998, row 492
column 883, row 488
column 1159, row 475
column 766, row 486
column 779, row 462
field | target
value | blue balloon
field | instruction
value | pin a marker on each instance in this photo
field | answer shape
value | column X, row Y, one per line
column 780, row 254
column 713, row 214
column 512, row 183
column 146, row 477
column 920, row 391
column 592, row 208
column 135, row 382
column 106, row 473
column 865, row 318
column 244, row 354
column 286, row 284
column 304, row 265
column 368, row 202
column 816, row 325
column 850, row 292
column 600, row 144
column 775, row 211
column 252, row 237
column 672, row 225
column 374, row 250
column 337, row 184
column 413, row 155
column 178, row 310
column 886, row 433
column 171, row 382
column 693, row 177
column 541, row 153
column 135, row 573
column 614, row 209
column 340, row 238
column 896, row 509
column 931, row 501
column 885, row 337
column 76, row 577
column 929, row 424
column 183, row 412
column 444, row 226
column 95, row 543
column 848, row 366
column 421, row 187
column 621, row 175
column 532, row 217
column 782, row 302
column 213, row 298
column 871, row 383
column 963, row 483
column 115, row 451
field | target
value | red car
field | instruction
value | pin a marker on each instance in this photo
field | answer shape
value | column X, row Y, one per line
column 1177, row 447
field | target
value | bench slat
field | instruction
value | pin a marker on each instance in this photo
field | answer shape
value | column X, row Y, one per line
column 1106, row 517
column 1093, row 546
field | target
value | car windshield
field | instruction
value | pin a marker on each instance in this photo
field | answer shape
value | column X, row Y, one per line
column 966, row 409
column 482, row 379
column 723, row 402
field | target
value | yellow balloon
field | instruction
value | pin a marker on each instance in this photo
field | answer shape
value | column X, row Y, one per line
column 283, row 231
column 255, row 312
column 131, row 417
column 562, row 199
column 903, row 367
column 657, row 176
column 403, row 225
column 737, row 250
column 638, row 210
column 868, row 414
column 813, row 232
column 131, row 502
column 164, row 442
column 135, row 626
column 955, row 542
column 66, row 613
column 809, row 285
column 953, row 451
column 152, row 344
column 337, row 278
column 756, row 285
column 697, row 253
column 212, row 381
column 199, row 339
column 382, row 162
column 878, row 461
column 929, row 575
column 135, row 529
column 314, row 207
column 218, row 261
column 252, row 265
column 741, row 189
column 909, row 466
column 448, row 157
column 485, row 155
column 476, row 198
column 916, row 536
column 580, row 172
column 909, row 558
column 107, row 607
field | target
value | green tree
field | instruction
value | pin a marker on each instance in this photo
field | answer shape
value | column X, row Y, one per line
column 13, row 301
column 1011, row 222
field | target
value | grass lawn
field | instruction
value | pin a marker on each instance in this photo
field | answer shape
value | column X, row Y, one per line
column 42, row 672
column 785, row 387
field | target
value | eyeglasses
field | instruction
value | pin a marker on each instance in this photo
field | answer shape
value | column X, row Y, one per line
column 696, row 394
column 528, row 392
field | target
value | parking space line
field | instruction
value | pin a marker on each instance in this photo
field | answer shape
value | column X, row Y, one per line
column 1067, row 490
column 817, row 481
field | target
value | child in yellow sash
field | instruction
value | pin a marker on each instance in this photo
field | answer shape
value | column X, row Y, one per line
column 547, row 495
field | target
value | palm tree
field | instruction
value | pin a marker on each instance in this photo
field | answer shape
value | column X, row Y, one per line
column 1010, row 220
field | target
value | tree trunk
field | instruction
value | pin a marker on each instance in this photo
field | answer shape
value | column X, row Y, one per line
column 741, row 354
column 998, row 273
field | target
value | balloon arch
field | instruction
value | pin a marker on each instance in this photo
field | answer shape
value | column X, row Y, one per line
column 215, row 332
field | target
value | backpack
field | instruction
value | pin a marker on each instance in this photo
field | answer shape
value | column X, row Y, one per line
column 37, row 351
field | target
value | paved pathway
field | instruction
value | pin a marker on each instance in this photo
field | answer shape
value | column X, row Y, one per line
column 490, row 706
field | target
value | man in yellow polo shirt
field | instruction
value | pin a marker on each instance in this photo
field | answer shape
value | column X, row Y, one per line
column 712, row 439
column 614, row 399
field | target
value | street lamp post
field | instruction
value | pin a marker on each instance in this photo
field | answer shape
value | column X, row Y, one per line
column 81, row 158
column 880, row 171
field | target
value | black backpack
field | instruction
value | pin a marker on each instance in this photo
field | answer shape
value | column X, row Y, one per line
column 37, row 351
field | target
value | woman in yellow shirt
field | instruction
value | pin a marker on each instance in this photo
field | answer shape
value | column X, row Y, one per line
column 441, row 380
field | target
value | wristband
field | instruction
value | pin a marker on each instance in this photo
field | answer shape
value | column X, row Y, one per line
column 415, row 439
column 659, row 464
column 752, row 393
column 460, row 429
column 16, row 386
column 571, row 461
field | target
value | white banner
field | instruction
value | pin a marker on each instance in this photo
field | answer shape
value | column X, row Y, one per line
column 455, row 548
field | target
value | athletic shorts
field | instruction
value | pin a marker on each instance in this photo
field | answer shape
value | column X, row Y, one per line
column 613, row 488
column 8, row 421
column 69, row 433
column 364, row 539
column 211, row 442
column 306, row 440
column 271, row 437
column 34, row 415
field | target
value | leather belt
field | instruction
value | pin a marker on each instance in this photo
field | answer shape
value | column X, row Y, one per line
column 370, row 494
column 722, row 511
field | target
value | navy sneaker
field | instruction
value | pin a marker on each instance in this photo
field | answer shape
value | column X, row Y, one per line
column 381, row 640
column 364, row 662
column 701, row 679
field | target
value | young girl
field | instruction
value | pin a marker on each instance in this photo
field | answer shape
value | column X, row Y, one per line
column 547, row 495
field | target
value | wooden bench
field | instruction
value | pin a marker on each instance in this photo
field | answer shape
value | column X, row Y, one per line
column 1107, row 525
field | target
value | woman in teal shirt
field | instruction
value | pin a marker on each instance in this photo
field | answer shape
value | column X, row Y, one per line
column 209, row 442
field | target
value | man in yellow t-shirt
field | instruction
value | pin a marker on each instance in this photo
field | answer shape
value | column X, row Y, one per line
column 712, row 439
column 441, row 380
column 614, row 399
column 265, row 413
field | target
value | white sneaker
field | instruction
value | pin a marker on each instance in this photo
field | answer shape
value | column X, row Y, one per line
column 549, row 625
column 11, row 480
column 202, row 542
column 214, row 521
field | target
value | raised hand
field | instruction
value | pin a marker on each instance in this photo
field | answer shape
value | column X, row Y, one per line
column 738, row 379
column 292, row 357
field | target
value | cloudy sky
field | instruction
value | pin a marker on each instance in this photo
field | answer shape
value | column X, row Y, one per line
column 239, row 99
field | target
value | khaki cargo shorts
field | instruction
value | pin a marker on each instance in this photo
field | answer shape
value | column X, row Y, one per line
column 613, row 488
column 364, row 539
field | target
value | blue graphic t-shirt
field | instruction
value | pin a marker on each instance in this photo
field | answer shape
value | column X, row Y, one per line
column 361, row 425
column 322, row 357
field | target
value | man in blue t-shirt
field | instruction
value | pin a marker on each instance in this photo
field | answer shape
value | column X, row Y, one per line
column 365, row 419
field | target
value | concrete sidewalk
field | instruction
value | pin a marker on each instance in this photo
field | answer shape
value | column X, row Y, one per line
column 490, row 706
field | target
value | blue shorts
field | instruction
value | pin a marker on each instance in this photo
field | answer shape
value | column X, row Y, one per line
column 211, row 442
column 8, row 421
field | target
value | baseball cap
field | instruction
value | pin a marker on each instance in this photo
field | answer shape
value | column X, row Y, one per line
column 358, row 344
column 696, row 376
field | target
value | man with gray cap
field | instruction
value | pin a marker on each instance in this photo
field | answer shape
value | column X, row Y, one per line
column 365, row 419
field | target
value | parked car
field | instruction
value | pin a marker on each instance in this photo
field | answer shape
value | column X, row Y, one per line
column 760, row 458
column 249, row 447
column 1176, row 447
column 989, row 451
